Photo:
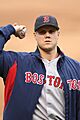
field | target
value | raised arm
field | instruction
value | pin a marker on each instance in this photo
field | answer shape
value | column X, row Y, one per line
column 7, row 58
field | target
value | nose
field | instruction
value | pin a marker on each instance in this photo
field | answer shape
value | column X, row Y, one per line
column 47, row 35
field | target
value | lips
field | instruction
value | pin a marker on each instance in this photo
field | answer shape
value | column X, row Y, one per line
column 47, row 41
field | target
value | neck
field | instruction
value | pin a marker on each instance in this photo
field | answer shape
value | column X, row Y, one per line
column 49, row 55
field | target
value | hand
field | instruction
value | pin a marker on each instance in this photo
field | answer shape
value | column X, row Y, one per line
column 20, row 30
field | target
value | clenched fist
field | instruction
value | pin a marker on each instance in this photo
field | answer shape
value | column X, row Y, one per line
column 20, row 30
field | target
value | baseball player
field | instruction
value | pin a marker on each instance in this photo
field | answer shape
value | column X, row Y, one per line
column 40, row 85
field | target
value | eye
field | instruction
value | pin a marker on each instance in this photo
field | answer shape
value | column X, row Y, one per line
column 42, row 32
column 51, row 31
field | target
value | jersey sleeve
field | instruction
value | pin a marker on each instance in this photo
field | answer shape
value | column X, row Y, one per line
column 6, row 58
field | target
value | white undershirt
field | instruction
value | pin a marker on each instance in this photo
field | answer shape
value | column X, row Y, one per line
column 51, row 101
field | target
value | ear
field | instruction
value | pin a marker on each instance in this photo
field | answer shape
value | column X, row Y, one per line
column 34, row 34
column 58, row 32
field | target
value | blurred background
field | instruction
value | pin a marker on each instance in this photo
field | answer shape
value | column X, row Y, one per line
column 25, row 12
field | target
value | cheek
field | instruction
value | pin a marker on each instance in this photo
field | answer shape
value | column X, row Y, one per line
column 55, row 37
column 39, row 39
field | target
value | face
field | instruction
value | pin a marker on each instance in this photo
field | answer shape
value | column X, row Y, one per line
column 47, row 37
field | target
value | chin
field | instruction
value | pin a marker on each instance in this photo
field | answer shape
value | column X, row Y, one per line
column 48, row 49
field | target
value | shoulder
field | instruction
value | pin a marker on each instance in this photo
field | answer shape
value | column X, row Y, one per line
column 13, row 55
column 72, row 61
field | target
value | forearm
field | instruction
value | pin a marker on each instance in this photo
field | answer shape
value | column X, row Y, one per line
column 5, row 33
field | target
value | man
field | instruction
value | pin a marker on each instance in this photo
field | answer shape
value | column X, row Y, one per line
column 41, row 85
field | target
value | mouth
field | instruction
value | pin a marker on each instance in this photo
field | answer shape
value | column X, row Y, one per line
column 47, row 41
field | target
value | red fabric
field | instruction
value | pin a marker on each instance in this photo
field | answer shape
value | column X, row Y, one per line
column 9, row 83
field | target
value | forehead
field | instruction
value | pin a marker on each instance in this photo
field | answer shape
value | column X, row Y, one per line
column 47, row 27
